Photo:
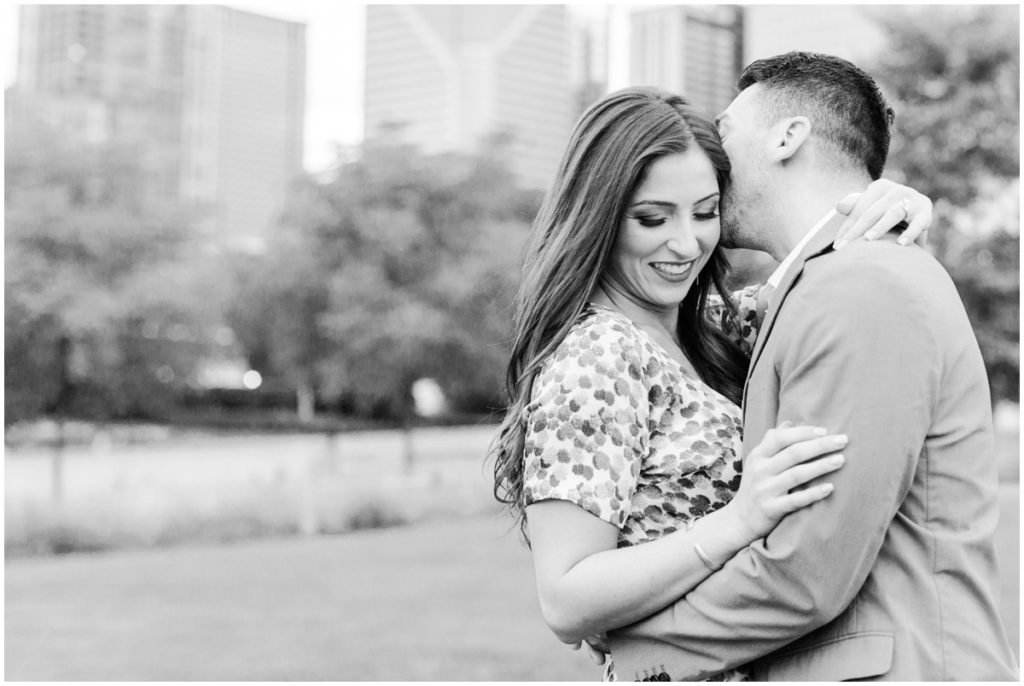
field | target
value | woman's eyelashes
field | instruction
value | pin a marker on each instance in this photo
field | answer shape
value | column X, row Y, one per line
column 707, row 215
column 707, row 209
column 650, row 220
column 653, row 220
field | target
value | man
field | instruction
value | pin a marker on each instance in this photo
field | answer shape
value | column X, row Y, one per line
column 893, row 576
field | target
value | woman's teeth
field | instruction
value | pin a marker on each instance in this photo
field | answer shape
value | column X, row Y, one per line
column 672, row 268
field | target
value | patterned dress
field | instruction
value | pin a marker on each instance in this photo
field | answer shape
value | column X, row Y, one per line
column 620, row 428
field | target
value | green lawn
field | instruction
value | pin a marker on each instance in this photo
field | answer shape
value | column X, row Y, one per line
column 443, row 601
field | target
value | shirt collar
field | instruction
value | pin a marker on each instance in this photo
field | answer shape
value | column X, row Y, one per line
column 776, row 276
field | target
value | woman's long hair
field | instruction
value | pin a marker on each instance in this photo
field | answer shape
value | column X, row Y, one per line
column 610, row 151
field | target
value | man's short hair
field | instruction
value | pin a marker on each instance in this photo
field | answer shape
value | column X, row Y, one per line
column 844, row 104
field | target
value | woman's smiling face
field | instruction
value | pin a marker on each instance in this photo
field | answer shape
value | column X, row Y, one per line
column 668, row 233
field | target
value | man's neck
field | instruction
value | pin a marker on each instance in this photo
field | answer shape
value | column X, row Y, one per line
column 802, row 207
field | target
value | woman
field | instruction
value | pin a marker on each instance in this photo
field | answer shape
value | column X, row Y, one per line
column 624, row 425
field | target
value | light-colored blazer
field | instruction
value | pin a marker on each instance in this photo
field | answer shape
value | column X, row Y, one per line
column 893, row 576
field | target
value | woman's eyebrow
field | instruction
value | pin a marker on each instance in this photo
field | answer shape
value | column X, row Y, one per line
column 706, row 197
column 658, row 203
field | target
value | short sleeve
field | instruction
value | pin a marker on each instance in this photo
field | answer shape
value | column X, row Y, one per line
column 586, row 432
column 742, row 329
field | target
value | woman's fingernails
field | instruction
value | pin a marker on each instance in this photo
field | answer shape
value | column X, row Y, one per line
column 839, row 243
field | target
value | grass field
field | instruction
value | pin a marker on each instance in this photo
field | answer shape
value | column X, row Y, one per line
column 449, row 600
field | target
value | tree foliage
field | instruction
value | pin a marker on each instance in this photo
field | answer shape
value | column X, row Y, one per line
column 399, row 267
column 953, row 74
column 92, row 277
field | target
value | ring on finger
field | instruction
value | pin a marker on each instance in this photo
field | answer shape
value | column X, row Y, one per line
column 905, row 206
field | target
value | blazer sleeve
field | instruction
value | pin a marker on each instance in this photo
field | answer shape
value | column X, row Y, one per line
column 860, row 357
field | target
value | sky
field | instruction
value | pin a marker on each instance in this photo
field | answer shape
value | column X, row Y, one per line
column 334, row 67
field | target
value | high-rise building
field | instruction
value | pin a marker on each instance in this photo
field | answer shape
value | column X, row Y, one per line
column 212, row 97
column 447, row 77
column 693, row 50
column 242, row 116
column 104, row 72
column 588, row 54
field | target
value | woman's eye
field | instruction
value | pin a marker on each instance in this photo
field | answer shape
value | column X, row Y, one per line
column 706, row 216
column 650, row 221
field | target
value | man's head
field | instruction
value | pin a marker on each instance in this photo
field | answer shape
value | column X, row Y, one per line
column 800, row 111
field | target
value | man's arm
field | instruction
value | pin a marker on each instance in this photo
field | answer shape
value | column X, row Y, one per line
column 857, row 357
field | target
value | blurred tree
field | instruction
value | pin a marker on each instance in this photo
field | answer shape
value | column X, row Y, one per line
column 273, row 309
column 91, row 281
column 953, row 74
column 398, row 268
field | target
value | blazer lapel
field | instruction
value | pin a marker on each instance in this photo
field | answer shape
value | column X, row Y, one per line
column 820, row 244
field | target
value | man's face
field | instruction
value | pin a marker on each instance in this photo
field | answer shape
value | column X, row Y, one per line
column 744, row 138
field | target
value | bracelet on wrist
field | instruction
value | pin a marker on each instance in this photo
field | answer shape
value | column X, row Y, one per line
column 706, row 559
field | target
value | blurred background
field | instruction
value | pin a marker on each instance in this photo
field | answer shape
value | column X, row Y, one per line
column 259, row 262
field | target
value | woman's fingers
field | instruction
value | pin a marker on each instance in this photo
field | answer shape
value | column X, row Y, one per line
column 802, row 498
column 787, row 458
column 917, row 227
column 864, row 218
column 846, row 205
column 595, row 654
column 803, row 451
column 881, row 207
column 863, row 210
column 803, row 473
column 778, row 439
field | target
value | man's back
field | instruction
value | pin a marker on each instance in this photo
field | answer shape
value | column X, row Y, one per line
column 933, row 585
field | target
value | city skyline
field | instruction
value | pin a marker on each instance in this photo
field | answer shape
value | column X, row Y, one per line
column 336, row 56
column 335, row 64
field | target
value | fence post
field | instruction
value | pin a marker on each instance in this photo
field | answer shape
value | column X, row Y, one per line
column 57, row 472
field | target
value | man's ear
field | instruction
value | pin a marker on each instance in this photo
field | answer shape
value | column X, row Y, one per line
column 790, row 135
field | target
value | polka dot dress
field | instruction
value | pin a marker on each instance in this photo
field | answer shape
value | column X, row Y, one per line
column 618, row 427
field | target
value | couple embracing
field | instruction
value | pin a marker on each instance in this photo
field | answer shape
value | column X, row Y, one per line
column 792, row 482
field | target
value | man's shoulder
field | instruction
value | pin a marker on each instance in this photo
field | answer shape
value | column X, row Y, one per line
column 879, row 270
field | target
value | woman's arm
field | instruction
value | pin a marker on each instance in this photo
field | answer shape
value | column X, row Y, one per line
column 587, row 586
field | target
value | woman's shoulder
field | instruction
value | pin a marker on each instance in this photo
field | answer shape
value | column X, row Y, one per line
column 600, row 335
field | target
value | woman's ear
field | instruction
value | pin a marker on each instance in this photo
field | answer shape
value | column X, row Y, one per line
column 790, row 135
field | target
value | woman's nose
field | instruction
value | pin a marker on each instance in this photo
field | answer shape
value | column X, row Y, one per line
column 683, row 240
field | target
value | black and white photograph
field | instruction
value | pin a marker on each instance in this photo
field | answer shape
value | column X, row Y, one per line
column 420, row 342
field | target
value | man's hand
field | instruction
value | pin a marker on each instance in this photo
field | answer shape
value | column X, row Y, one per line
column 597, row 647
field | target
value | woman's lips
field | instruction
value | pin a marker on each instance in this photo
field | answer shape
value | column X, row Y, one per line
column 673, row 271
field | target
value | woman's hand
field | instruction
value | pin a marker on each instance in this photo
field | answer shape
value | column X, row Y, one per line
column 882, row 206
column 597, row 647
column 781, row 462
